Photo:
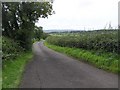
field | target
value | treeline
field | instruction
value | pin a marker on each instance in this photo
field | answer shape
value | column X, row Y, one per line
column 18, row 25
column 39, row 34
column 102, row 40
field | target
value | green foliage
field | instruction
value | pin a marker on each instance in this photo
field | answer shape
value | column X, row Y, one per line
column 18, row 19
column 38, row 33
column 44, row 35
column 90, row 40
column 106, row 61
column 13, row 70
column 1, row 45
column 10, row 48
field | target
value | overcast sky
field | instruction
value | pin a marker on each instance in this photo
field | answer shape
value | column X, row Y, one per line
column 82, row 14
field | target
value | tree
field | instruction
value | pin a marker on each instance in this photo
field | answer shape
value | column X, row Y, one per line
column 18, row 19
column 45, row 35
column 38, row 32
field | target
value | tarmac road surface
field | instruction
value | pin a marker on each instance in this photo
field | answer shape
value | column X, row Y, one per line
column 50, row 69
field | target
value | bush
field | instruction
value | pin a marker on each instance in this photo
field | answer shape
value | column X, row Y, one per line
column 10, row 49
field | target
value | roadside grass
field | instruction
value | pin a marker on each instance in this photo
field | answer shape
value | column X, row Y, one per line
column 0, row 78
column 13, row 69
column 102, row 60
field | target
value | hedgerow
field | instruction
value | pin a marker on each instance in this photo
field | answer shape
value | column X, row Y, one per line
column 10, row 49
column 102, row 40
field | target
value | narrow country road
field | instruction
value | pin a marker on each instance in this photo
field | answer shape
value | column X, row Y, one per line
column 50, row 69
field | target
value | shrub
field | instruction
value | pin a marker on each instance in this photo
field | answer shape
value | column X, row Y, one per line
column 10, row 49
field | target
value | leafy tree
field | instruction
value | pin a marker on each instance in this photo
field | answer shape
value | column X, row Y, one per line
column 38, row 33
column 45, row 35
column 18, row 19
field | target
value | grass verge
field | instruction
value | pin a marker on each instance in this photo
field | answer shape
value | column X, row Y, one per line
column 13, row 70
column 106, row 61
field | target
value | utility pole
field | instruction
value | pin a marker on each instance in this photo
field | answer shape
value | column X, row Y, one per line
column 110, row 27
column 105, row 26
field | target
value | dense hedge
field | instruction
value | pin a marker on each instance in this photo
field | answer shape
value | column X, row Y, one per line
column 10, row 49
column 95, row 40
